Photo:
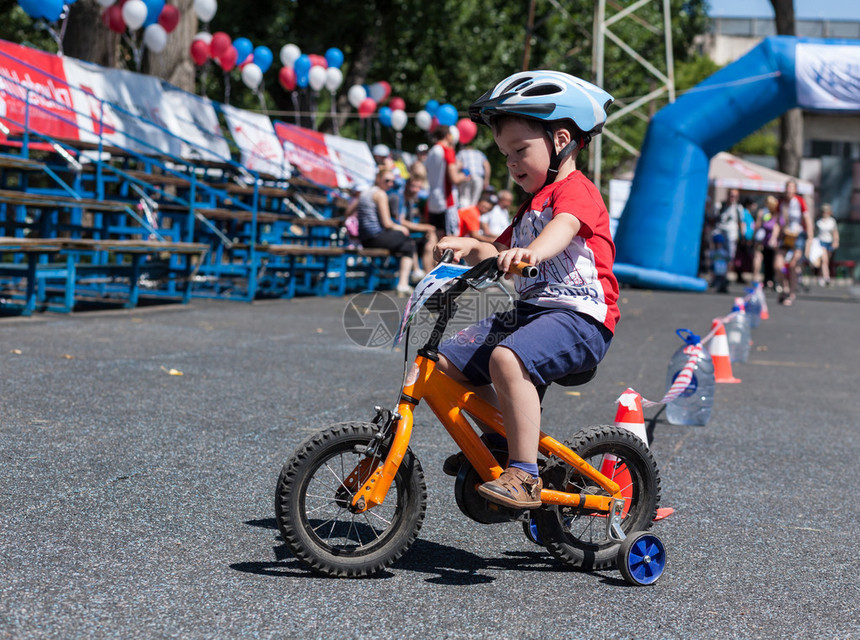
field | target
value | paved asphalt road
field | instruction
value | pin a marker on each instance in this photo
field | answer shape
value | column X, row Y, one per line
column 138, row 504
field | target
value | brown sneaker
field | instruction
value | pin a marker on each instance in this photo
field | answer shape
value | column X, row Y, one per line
column 515, row 488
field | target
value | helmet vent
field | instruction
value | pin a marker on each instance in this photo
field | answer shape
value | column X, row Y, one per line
column 519, row 83
column 542, row 90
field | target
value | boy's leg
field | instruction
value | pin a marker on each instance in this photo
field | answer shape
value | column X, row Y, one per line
column 519, row 403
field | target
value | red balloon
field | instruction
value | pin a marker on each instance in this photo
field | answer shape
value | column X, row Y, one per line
column 317, row 59
column 468, row 130
column 219, row 44
column 169, row 18
column 287, row 78
column 228, row 58
column 367, row 106
column 199, row 52
column 112, row 18
column 397, row 103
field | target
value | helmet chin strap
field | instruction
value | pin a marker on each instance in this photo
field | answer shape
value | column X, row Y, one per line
column 557, row 157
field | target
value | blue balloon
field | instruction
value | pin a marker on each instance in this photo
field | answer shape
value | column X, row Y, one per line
column 334, row 57
column 263, row 58
column 244, row 47
column 51, row 9
column 303, row 78
column 385, row 116
column 32, row 8
column 447, row 115
column 302, row 66
column 431, row 107
column 153, row 10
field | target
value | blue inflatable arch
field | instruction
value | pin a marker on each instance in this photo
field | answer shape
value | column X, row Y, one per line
column 659, row 233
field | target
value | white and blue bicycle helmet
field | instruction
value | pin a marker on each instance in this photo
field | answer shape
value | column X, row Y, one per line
column 547, row 96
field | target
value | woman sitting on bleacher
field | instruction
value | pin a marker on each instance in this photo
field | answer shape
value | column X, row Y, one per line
column 377, row 229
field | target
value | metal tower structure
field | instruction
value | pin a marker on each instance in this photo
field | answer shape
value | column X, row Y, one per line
column 603, row 25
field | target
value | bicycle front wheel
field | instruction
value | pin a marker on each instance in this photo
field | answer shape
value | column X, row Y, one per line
column 315, row 489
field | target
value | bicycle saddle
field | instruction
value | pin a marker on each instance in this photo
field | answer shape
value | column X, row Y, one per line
column 576, row 379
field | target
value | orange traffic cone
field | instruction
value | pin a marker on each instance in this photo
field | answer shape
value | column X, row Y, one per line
column 761, row 297
column 718, row 347
column 629, row 415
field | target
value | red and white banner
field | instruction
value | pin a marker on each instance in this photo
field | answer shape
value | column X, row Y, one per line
column 326, row 159
column 34, row 93
column 255, row 136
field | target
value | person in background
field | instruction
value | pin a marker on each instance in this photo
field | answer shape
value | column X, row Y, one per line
column 497, row 218
column 828, row 237
column 796, row 229
column 470, row 220
column 477, row 167
column 409, row 208
column 765, row 239
column 384, row 160
column 443, row 177
column 720, row 263
column 377, row 228
column 730, row 223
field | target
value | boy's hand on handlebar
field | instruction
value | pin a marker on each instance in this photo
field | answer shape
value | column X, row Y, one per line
column 510, row 257
column 454, row 244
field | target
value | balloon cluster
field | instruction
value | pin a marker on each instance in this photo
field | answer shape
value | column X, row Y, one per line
column 434, row 114
column 310, row 69
column 229, row 54
column 155, row 17
column 366, row 98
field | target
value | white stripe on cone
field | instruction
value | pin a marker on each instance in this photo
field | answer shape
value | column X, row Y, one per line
column 629, row 415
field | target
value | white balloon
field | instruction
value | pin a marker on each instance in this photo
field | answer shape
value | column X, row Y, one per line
column 252, row 75
column 205, row 9
column 333, row 79
column 105, row 3
column 134, row 14
column 423, row 119
column 289, row 54
column 398, row 119
column 316, row 77
column 205, row 36
column 455, row 133
column 155, row 38
column 356, row 95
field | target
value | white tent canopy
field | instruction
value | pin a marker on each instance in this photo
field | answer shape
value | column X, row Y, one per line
column 730, row 172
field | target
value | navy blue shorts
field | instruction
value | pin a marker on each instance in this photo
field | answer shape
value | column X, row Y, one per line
column 551, row 343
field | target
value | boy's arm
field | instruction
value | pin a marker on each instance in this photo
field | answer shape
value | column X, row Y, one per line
column 471, row 250
column 555, row 238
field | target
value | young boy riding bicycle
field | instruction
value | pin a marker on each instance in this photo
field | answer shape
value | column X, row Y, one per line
column 564, row 320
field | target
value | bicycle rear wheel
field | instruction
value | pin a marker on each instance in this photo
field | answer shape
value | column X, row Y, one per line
column 578, row 537
column 314, row 493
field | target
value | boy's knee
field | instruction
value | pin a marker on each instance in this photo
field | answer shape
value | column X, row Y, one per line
column 505, row 363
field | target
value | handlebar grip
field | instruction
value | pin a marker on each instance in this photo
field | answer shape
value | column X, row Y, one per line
column 447, row 256
column 525, row 270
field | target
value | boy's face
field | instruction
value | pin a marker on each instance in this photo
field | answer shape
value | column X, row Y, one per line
column 527, row 150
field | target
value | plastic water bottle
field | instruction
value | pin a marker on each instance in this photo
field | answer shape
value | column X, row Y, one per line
column 738, row 333
column 753, row 306
column 693, row 406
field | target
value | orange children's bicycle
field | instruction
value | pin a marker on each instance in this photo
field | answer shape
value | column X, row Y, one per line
column 351, row 499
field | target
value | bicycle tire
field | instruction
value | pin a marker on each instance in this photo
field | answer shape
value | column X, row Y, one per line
column 311, row 504
column 577, row 537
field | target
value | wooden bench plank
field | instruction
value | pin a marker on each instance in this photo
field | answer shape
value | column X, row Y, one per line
column 40, row 199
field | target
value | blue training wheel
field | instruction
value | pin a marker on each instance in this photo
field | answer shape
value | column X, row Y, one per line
column 642, row 558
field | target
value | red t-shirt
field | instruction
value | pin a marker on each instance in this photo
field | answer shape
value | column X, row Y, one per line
column 580, row 277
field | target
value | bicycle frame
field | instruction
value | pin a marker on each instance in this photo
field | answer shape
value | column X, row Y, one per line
column 449, row 400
